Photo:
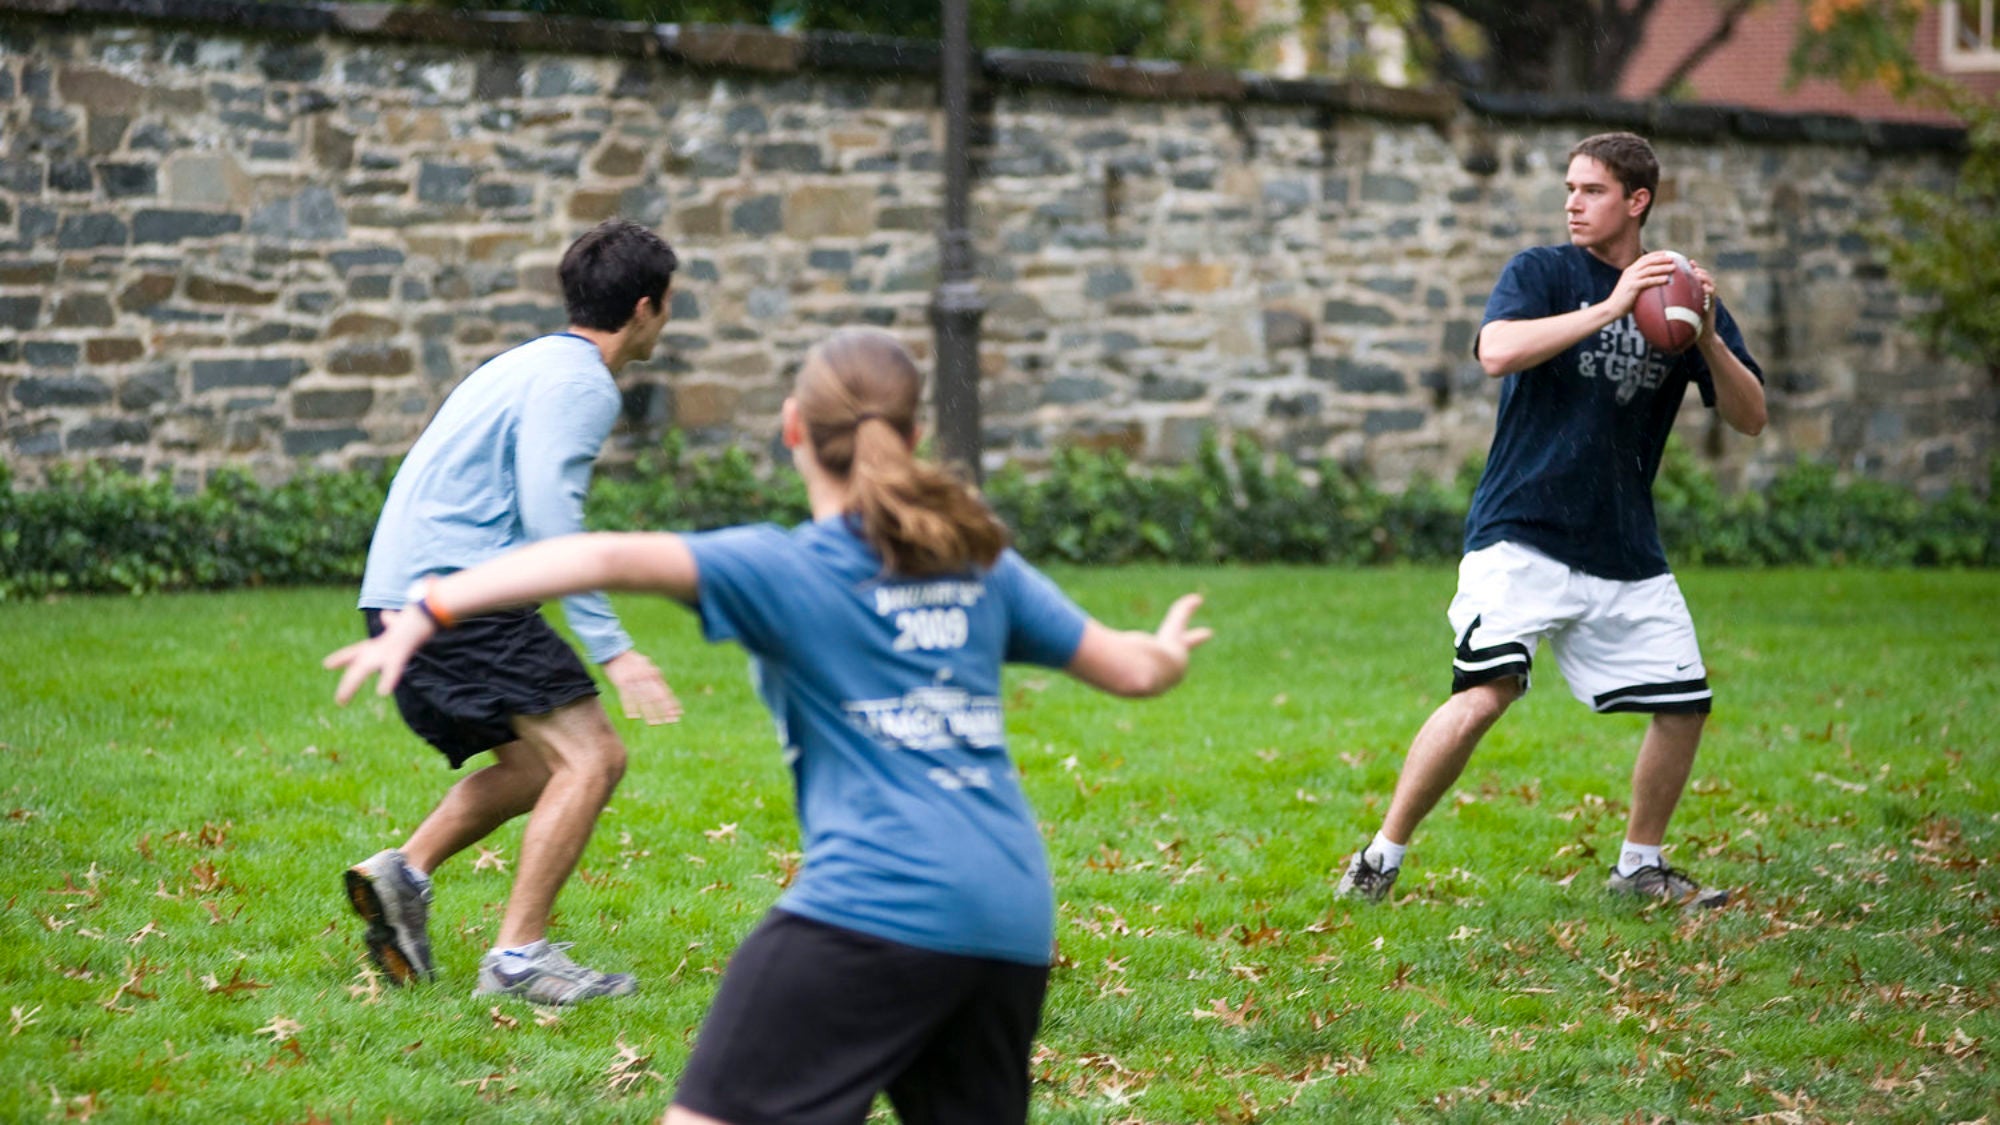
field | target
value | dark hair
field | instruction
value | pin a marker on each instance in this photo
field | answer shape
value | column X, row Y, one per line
column 605, row 272
column 857, row 394
column 1630, row 158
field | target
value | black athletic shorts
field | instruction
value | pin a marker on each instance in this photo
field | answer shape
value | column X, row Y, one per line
column 812, row 1021
column 461, row 691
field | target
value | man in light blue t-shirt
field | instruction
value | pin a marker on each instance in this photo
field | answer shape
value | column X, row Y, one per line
column 505, row 462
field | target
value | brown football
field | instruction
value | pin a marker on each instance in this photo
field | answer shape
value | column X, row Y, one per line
column 1669, row 316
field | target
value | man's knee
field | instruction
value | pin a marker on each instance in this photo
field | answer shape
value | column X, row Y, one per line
column 1485, row 703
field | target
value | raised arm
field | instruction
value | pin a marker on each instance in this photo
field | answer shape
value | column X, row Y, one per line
column 651, row 561
column 1507, row 346
column 1133, row 663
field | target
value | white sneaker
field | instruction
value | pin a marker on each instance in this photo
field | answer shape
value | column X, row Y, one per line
column 548, row 976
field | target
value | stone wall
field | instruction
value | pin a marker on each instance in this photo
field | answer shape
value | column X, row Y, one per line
column 262, row 235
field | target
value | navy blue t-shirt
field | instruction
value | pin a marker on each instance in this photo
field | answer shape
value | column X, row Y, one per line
column 886, row 694
column 1579, row 438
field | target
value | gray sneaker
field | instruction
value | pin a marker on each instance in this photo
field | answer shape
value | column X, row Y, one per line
column 1665, row 883
column 1366, row 881
column 396, row 903
column 549, row 977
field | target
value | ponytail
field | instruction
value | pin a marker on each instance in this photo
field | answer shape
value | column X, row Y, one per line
column 858, row 394
column 921, row 519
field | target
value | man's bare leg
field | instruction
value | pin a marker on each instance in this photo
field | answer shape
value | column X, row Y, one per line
column 1660, row 776
column 481, row 802
column 585, row 761
column 1440, row 751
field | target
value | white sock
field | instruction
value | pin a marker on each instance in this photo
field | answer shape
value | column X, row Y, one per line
column 1634, row 856
column 529, row 950
column 1384, row 854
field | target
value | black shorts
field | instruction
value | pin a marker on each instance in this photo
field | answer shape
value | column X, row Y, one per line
column 812, row 1021
column 461, row 691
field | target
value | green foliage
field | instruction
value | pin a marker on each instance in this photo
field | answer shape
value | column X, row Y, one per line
column 96, row 529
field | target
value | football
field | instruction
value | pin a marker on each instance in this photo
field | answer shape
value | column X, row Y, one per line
column 1669, row 316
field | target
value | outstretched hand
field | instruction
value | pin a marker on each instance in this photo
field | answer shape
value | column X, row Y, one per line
column 1174, row 632
column 383, row 656
column 641, row 689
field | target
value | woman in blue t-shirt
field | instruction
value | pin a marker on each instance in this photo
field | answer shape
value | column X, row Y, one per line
column 911, row 954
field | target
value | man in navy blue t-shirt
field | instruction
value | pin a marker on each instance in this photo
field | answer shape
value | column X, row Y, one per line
column 1561, row 543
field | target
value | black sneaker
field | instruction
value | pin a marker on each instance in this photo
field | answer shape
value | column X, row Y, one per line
column 396, row 904
column 1665, row 883
column 1366, row 881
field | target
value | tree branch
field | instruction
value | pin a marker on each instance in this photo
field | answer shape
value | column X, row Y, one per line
column 1699, row 53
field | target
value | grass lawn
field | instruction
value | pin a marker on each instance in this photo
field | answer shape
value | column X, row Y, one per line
column 178, row 796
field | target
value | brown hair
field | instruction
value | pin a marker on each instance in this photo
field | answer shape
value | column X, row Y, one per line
column 1628, row 157
column 857, row 394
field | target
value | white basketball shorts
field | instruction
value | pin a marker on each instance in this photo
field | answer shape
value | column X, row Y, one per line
column 1623, row 646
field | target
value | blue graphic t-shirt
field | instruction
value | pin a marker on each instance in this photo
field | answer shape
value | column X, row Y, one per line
column 1579, row 438
column 886, row 693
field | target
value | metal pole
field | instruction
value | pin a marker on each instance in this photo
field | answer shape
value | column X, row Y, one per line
column 956, row 307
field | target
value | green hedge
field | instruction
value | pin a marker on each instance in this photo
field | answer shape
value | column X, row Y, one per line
column 95, row 529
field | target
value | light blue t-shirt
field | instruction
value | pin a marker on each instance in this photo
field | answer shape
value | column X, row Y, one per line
column 506, row 461
column 886, row 693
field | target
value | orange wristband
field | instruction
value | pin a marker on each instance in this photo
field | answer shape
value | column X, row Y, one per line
column 429, row 604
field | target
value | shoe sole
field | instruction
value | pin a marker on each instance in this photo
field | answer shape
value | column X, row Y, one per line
column 381, row 937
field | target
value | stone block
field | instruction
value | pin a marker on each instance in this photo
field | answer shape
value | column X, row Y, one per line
column 1351, row 313
column 347, row 261
column 705, row 404
column 88, row 232
column 1070, row 390
column 210, row 374
column 148, row 389
column 36, row 392
column 1190, row 277
column 311, row 443
column 593, row 205
column 38, row 440
column 82, row 310
column 1391, row 421
column 445, row 184
column 833, row 261
column 19, row 313
column 1105, row 282
column 683, row 305
column 365, row 325
column 745, row 119
column 100, row 433
column 321, row 406
column 204, row 179
column 619, row 160
column 1155, row 387
column 760, row 214
column 830, row 211
column 1359, row 378
column 124, row 180
column 1284, row 328
column 1382, row 188
column 332, row 146
column 497, row 78
column 146, row 292
column 70, row 177
column 292, row 62
column 913, row 217
column 371, row 359
column 788, row 156
column 371, row 287
column 213, row 291
column 50, row 353
column 163, row 226
column 99, row 91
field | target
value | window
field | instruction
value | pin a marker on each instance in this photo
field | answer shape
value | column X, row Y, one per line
column 1967, row 31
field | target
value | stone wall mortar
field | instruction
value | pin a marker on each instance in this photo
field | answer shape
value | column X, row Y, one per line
column 221, row 246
